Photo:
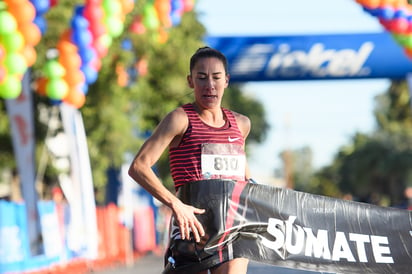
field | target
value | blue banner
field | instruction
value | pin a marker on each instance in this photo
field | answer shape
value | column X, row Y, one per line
column 14, row 242
column 313, row 57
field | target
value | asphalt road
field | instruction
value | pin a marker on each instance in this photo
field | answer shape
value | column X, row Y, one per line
column 152, row 264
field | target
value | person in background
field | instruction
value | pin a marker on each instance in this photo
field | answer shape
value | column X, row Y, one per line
column 186, row 132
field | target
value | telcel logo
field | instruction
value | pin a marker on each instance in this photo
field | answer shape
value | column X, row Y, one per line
column 318, row 62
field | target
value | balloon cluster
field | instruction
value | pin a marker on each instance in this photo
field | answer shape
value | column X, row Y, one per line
column 157, row 16
column 68, row 73
column 160, row 15
column 396, row 17
column 80, row 49
column 18, row 37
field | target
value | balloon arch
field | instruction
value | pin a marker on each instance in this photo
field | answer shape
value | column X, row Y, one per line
column 68, row 73
column 75, row 62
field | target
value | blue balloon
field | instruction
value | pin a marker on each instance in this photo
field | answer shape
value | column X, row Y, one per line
column 176, row 18
column 387, row 13
column 41, row 23
column 41, row 6
column 78, row 10
column 373, row 12
column 84, row 88
column 79, row 22
column 55, row 102
column 127, row 44
column 400, row 13
column 87, row 55
column 176, row 5
column 89, row 73
column 82, row 38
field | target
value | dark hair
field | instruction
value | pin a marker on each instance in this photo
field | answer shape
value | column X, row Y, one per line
column 208, row 52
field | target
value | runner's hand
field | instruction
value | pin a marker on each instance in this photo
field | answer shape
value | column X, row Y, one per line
column 187, row 221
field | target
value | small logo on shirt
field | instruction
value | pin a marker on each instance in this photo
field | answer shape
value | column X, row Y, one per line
column 230, row 139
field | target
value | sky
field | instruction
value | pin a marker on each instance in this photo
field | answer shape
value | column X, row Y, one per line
column 322, row 115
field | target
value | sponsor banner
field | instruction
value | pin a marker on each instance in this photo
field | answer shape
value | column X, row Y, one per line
column 52, row 239
column 83, row 236
column 313, row 57
column 20, row 112
column 291, row 229
column 14, row 241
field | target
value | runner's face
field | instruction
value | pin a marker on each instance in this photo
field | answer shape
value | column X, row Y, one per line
column 208, row 80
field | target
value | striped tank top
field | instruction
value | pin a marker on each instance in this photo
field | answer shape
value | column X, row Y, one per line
column 185, row 159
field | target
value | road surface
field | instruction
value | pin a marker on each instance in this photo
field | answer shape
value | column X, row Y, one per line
column 152, row 264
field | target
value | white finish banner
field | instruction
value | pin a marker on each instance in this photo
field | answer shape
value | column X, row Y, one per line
column 84, row 232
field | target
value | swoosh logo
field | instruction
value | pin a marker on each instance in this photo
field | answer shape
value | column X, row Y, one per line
column 230, row 139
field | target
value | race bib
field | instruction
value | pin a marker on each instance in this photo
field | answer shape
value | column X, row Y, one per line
column 223, row 161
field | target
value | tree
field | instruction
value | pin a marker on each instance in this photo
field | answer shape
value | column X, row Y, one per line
column 377, row 167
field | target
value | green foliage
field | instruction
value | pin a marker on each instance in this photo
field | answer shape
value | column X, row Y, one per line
column 165, row 87
column 377, row 167
column 393, row 110
column 234, row 99
column 6, row 148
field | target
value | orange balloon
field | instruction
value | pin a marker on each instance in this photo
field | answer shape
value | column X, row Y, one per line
column 163, row 8
column 127, row 6
column 41, row 85
column 163, row 36
column 11, row 2
column 75, row 98
column 370, row 3
column 65, row 43
column 30, row 55
column 31, row 33
column 74, row 77
column 23, row 11
column 70, row 60
column 408, row 52
column 142, row 66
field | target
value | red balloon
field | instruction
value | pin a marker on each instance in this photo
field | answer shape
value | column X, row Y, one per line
column 93, row 12
column 137, row 26
column 53, row 2
column 400, row 25
column 3, row 73
column 96, row 63
column 97, row 29
column 100, row 48
column 2, row 52
column 93, row 2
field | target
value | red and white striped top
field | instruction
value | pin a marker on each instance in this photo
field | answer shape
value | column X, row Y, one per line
column 185, row 159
